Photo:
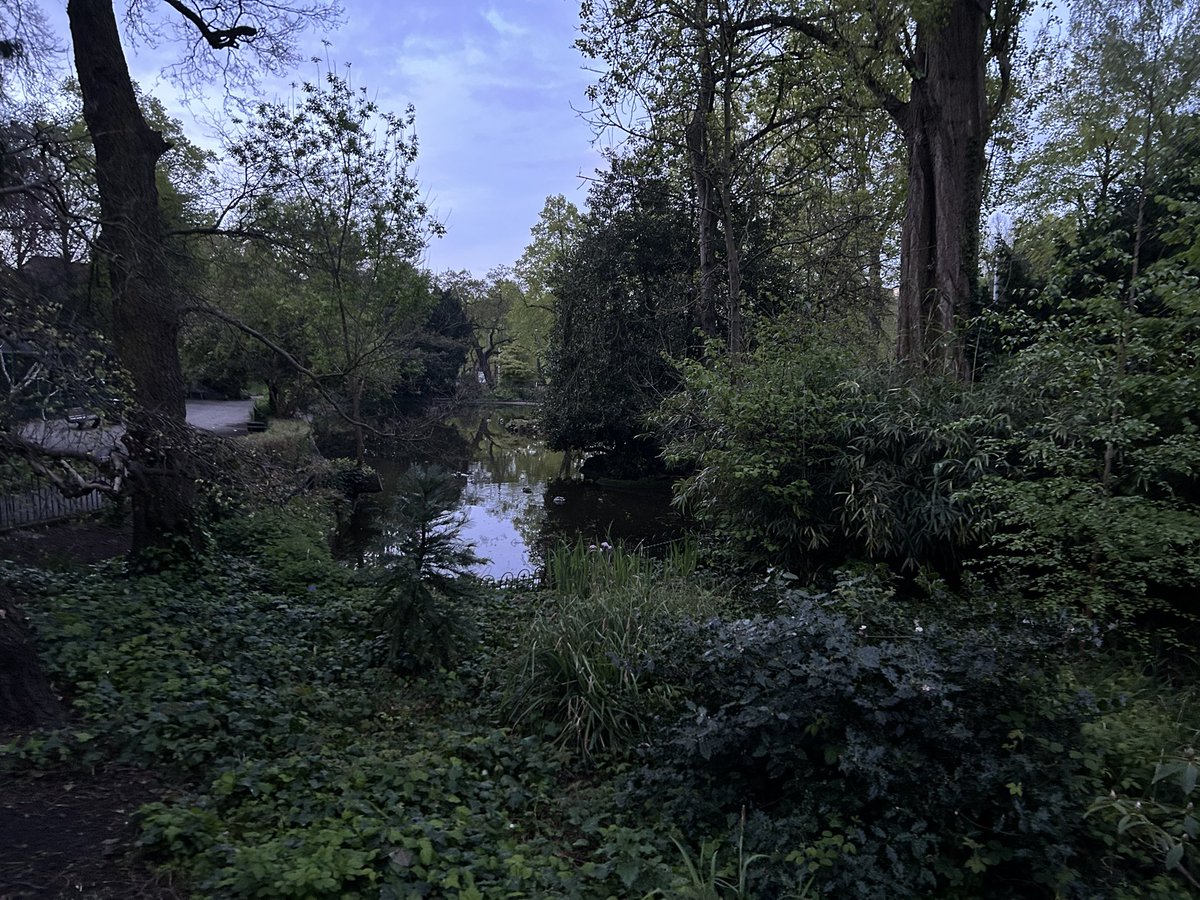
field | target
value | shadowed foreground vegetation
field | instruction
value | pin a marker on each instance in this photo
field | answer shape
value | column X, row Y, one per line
column 636, row 729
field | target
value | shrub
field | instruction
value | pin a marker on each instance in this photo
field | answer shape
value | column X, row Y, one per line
column 582, row 569
column 287, row 443
column 588, row 660
column 289, row 544
column 1096, row 503
column 883, row 756
column 801, row 454
column 426, row 582
column 1094, row 497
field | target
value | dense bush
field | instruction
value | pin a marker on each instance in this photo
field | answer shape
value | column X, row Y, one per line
column 589, row 657
column 288, row 545
column 1070, row 472
column 802, row 454
column 880, row 755
column 1094, row 498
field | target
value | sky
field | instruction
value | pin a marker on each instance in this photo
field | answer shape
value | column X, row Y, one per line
column 493, row 82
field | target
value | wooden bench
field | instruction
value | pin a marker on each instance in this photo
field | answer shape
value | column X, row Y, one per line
column 82, row 418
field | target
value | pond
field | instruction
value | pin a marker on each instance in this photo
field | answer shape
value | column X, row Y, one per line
column 517, row 496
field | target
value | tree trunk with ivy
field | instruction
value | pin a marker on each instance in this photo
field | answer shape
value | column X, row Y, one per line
column 146, row 299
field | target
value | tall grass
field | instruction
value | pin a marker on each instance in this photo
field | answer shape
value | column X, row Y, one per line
column 582, row 569
column 589, row 663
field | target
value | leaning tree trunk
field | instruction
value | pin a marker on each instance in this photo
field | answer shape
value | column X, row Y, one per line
column 945, row 126
column 146, row 302
column 26, row 700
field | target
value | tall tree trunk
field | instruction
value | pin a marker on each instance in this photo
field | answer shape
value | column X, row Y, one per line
column 733, row 266
column 360, row 444
column 945, row 127
column 733, row 250
column 483, row 362
column 146, row 305
column 696, row 139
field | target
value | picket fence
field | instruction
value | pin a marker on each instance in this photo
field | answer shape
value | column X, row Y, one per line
column 37, row 507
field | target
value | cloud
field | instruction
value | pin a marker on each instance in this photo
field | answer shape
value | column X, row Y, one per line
column 492, row 81
column 502, row 25
column 496, row 127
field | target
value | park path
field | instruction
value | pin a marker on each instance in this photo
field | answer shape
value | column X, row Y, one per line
column 226, row 417
column 45, row 504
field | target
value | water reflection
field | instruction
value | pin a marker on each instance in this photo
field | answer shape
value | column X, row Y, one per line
column 517, row 497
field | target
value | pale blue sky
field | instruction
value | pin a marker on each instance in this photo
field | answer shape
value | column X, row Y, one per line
column 493, row 83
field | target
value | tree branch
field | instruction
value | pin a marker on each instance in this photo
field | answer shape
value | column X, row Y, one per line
column 218, row 38
column 234, row 322
column 66, row 478
column 894, row 106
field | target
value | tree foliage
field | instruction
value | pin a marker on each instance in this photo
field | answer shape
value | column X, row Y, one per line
column 622, row 306
column 329, row 184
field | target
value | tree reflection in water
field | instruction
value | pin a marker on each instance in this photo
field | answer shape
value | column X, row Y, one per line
column 508, row 480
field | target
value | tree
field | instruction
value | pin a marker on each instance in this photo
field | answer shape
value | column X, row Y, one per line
column 329, row 184
column 142, row 262
column 487, row 303
column 926, row 65
column 622, row 308
column 1123, row 76
column 27, row 48
column 531, row 319
column 723, row 98
column 945, row 113
column 426, row 576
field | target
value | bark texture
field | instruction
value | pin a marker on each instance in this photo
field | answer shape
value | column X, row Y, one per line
column 146, row 301
column 945, row 125
column 696, row 140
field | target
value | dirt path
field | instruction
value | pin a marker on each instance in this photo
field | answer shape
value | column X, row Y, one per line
column 226, row 417
column 63, row 833
column 71, row 835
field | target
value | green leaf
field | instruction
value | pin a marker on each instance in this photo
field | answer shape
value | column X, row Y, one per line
column 1174, row 856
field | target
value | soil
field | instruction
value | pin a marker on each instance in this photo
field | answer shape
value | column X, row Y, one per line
column 68, row 833
column 64, row 545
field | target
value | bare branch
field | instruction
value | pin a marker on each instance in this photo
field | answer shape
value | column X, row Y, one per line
column 217, row 38
column 314, row 378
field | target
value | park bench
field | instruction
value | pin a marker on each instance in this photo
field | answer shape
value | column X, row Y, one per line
column 79, row 417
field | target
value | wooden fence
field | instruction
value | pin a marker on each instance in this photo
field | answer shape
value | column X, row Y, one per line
column 45, row 505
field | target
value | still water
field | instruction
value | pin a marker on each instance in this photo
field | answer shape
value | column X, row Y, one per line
column 518, row 497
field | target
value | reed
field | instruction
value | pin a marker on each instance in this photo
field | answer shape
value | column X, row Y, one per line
column 589, row 659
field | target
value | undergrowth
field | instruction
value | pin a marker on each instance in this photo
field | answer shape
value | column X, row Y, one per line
column 636, row 735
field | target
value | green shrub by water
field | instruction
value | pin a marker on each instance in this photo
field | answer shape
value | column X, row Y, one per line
column 582, row 568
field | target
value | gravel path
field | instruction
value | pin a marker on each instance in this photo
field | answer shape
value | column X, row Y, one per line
column 220, row 416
